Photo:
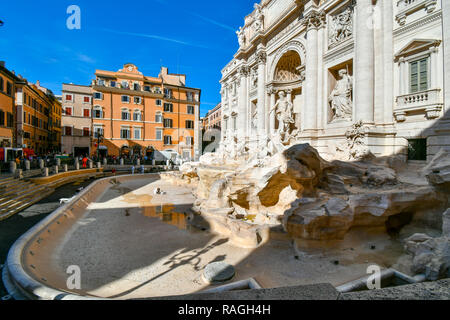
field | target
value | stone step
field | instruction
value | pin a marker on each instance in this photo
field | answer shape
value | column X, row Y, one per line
column 25, row 204
column 14, row 188
column 22, row 188
column 23, row 197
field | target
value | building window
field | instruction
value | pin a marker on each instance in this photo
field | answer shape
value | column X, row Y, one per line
column 87, row 99
column 9, row 120
column 167, row 140
column 101, row 82
column 69, row 97
column 190, row 96
column 137, row 100
column 124, row 84
column 137, row 115
column 168, row 93
column 26, row 135
column 86, row 132
column 137, row 133
column 137, row 87
column 8, row 88
column 2, row 118
column 125, row 133
column 68, row 131
column 158, row 118
column 168, row 107
column 1, row 84
column 189, row 124
column 158, row 102
column 125, row 114
column 418, row 75
column 158, row 90
column 168, row 123
column 68, row 111
column 112, row 84
column 189, row 141
column 159, row 134
column 86, row 113
column 125, row 99
column 147, row 88
column 98, row 113
column 98, row 131
column 190, row 109
column 98, row 96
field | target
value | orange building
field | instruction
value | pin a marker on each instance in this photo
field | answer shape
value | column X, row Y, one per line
column 142, row 115
column 7, row 101
column 38, row 118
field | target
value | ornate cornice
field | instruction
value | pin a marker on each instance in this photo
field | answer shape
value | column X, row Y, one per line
column 243, row 70
column 314, row 20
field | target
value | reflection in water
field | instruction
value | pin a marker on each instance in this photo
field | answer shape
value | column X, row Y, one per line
column 167, row 214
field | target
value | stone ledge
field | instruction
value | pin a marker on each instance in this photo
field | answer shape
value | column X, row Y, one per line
column 436, row 290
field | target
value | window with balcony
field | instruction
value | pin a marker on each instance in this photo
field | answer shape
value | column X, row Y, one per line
column 168, row 93
column 124, row 84
column 147, row 88
column 136, row 87
column 418, row 75
column 101, row 82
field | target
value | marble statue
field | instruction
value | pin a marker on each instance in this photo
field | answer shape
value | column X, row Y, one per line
column 341, row 97
column 341, row 27
column 284, row 113
column 259, row 18
column 241, row 37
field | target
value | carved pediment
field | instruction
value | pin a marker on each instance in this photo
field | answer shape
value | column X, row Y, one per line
column 416, row 46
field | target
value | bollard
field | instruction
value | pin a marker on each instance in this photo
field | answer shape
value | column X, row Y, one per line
column 65, row 167
column 27, row 165
column 91, row 164
column 58, row 162
column 105, row 161
column 55, row 169
column 142, row 169
column 18, row 174
column 138, row 162
column 99, row 165
column 153, row 162
column 121, row 161
column 41, row 163
column 77, row 165
column 45, row 172
column 12, row 167
column 132, row 170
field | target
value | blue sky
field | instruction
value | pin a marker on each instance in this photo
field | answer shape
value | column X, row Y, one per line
column 195, row 37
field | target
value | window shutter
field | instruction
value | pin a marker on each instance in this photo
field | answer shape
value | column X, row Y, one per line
column 414, row 80
column 424, row 74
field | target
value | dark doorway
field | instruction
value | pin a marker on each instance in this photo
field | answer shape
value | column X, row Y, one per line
column 417, row 149
column 81, row 151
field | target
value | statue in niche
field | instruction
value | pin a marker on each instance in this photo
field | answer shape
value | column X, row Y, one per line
column 284, row 113
column 341, row 97
column 255, row 119
column 241, row 37
column 258, row 18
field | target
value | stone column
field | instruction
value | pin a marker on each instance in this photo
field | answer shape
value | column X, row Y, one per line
column 446, row 44
column 272, row 114
column 242, row 103
column 261, row 59
column 434, row 67
column 388, row 48
column 312, row 21
column 364, row 63
column 321, row 41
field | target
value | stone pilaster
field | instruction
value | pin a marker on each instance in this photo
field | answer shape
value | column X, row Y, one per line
column 446, row 40
column 388, row 46
column 242, row 103
column 313, row 21
column 364, row 63
column 272, row 114
column 261, row 59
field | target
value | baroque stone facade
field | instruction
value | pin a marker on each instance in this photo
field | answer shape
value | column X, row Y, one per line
column 311, row 71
